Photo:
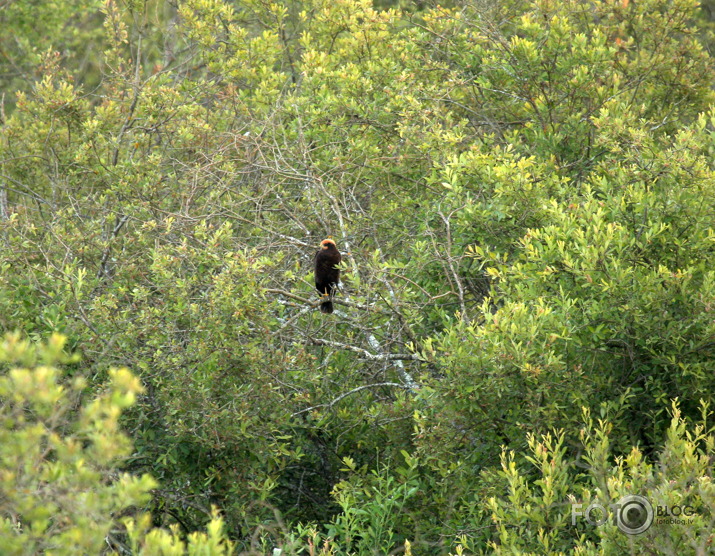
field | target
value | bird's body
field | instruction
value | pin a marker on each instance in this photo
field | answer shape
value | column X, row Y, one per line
column 327, row 275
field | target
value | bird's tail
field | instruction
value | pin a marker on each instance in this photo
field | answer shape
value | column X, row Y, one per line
column 326, row 307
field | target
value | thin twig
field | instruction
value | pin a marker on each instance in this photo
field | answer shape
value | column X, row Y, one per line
column 103, row 270
column 349, row 393
column 365, row 353
column 317, row 302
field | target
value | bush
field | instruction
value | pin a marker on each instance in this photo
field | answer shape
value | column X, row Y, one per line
column 59, row 454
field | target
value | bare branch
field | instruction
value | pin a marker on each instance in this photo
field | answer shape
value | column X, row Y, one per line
column 318, row 301
column 365, row 353
column 404, row 375
column 455, row 275
column 350, row 393
column 130, row 115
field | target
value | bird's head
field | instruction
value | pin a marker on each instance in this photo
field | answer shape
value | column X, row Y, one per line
column 326, row 243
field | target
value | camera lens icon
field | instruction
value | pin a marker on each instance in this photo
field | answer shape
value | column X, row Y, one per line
column 634, row 514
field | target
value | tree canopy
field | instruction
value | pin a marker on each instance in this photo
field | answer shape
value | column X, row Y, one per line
column 523, row 194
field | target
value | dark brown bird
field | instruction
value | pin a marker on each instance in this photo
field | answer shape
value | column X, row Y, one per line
column 327, row 275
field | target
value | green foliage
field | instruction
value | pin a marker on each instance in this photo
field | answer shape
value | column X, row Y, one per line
column 58, row 452
column 45, row 30
column 537, row 516
column 523, row 195
column 372, row 507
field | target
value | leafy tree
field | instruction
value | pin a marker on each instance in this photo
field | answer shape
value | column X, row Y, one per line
column 522, row 193
column 58, row 454
column 537, row 516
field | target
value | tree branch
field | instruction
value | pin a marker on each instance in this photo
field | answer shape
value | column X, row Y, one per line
column 404, row 375
column 103, row 270
column 349, row 393
column 317, row 302
column 366, row 354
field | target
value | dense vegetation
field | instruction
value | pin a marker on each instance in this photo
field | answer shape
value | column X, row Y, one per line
column 524, row 195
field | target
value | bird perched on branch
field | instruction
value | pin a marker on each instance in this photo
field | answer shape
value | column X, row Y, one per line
column 327, row 275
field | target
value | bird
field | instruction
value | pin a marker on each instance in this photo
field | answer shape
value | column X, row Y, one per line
column 327, row 273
